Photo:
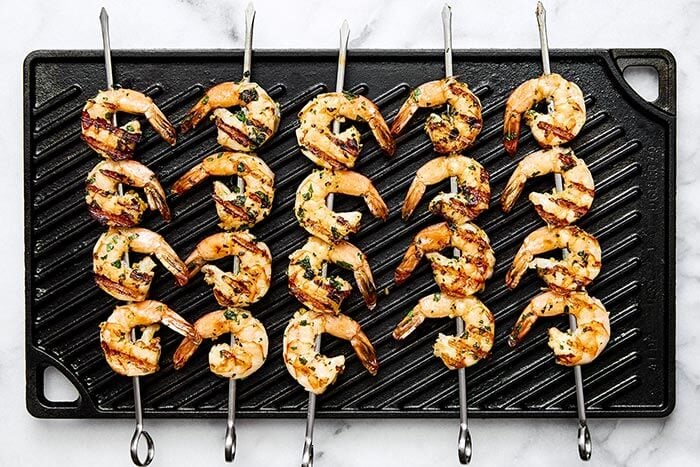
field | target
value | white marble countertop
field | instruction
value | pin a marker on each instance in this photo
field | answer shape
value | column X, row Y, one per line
column 29, row 25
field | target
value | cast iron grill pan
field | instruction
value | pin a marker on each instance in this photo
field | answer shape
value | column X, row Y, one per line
column 628, row 143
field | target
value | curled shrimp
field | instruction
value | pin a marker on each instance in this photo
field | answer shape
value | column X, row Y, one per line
column 238, row 360
column 451, row 131
column 118, row 143
column 108, row 207
column 473, row 189
column 574, row 272
column 455, row 351
column 131, row 283
column 315, row 372
column 255, row 121
column 555, row 128
column 139, row 357
column 579, row 347
column 236, row 210
column 562, row 207
column 339, row 151
column 313, row 214
column 314, row 290
column 252, row 281
column 459, row 277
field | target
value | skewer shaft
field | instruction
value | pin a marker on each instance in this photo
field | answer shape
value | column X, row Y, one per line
column 584, row 438
column 307, row 458
column 230, row 437
column 136, row 383
column 464, row 448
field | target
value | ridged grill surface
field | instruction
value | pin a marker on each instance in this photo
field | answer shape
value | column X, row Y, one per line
column 628, row 145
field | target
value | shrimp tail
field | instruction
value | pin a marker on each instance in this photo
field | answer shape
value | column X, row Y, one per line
column 403, row 116
column 365, row 352
column 184, row 352
column 161, row 124
column 511, row 133
column 383, row 136
column 365, row 283
column 195, row 115
column 173, row 264
column 190, row 179
column 413, row 197
column 410, row 261
column 522, row 326
column 511, row 193
column 376, row 204
column 157, row 201
column 411, row 321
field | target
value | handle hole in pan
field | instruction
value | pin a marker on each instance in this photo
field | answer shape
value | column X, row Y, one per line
column 57, row 388
column 644, row 80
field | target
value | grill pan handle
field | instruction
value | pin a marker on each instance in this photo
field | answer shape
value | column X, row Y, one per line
column 659, row 59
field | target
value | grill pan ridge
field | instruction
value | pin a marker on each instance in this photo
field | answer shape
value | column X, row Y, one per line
column 628, row 144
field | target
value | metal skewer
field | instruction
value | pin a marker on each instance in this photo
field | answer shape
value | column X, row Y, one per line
column 584, row 436
column 464, row 441
column 230, row 438
column 307, row 457
column 139, row 431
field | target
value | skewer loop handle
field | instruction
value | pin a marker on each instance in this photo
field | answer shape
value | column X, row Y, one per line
column 307, row 458
column 585, row 447
column 140, row 433
column 464, row 444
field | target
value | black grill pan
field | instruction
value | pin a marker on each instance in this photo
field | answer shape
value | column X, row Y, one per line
column 629, row 145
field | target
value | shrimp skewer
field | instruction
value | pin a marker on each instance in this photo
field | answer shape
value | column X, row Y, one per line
column 246, row 286
column 563, row 207
column 574, row 272
column 557, row 127
column 242, row 357
column 254, row 123
column 587, row 340
column 470, row 199
column 452, row 131
column 109, row 207
column 321, row 293
column 140, row 356
column 334, row 150
column 240, row 208
column 320, row 220
column 131, row 282
column 458, row 351
column 102, row 134
column 459, row 277
column 314, row 371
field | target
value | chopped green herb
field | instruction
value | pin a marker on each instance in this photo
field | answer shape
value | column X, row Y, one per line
column 117, row 264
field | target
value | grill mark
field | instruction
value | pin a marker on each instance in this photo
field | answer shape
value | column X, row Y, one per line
column 231, row 208
column 559, row 132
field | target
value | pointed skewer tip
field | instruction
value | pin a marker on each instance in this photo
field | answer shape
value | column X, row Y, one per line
column 446, row 10
column 250, row 10
column 345, row 28
column 103, row 14
column 540, row 9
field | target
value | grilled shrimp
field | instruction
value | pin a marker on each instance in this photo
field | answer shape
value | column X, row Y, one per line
column 108, row 207
column 555, row 128
column 576, row 271
column 339, row 151
column 139, row 357
column 570, row 348
column 255, row 121
column 320, row 293
column 118, row 143
column 473, row 189
column 313, row 214
column 252, row 281
column 238, row 360
column 560, row 208
column 315, row 372
column 452, row 131
column 455, row 351
column 459, row 277
column 236, row 210
column 131, row 283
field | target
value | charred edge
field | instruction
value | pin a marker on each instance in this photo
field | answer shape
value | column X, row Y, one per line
column 231, row 208
column 234, row 133
column 110, row 286
column 559, row 132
